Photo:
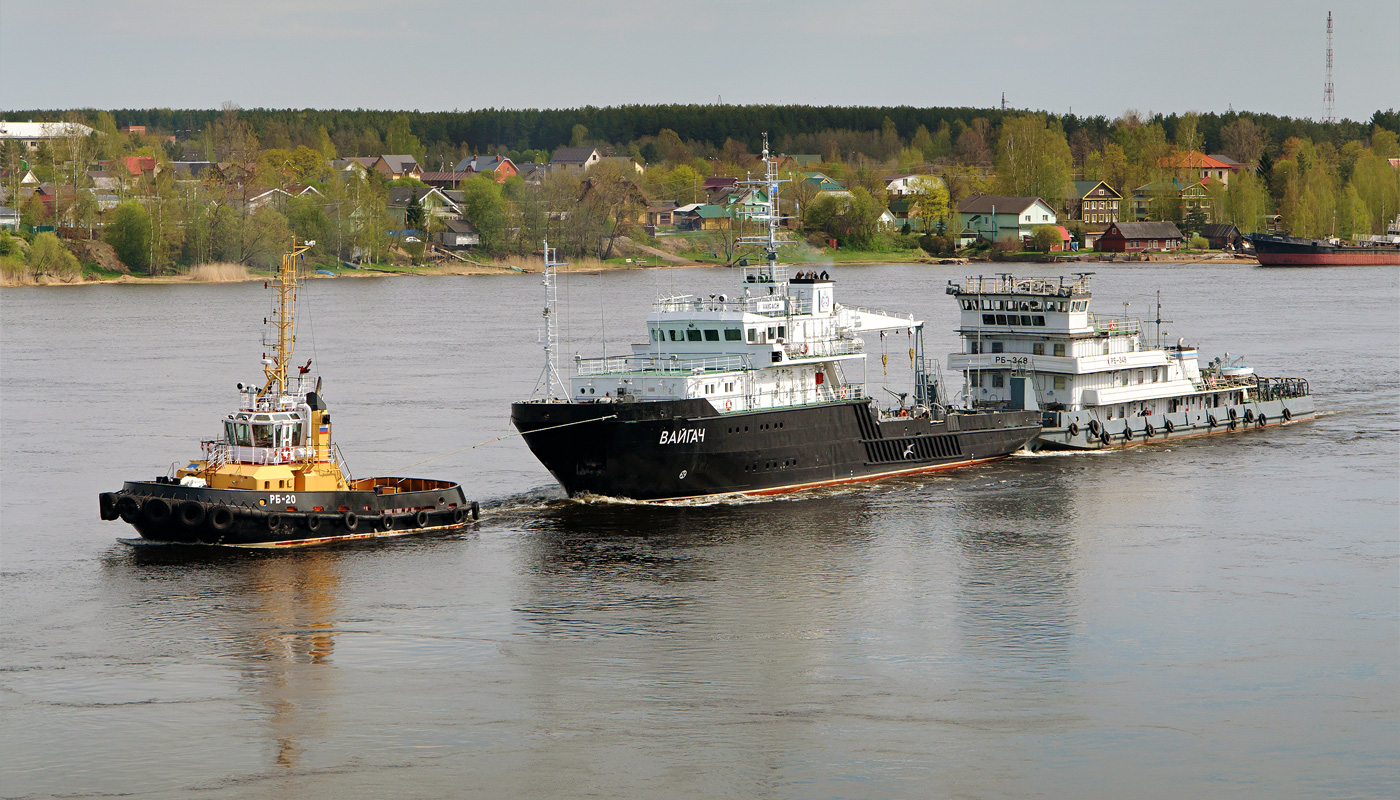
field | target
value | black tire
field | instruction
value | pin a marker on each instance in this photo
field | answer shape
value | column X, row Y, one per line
column 129, row 509
column 1249, row 415
column 274, row 521
column 107, row 505
column 1103, row 437
column 459, row 515
column 351, row 521
column 476, row 510
column 1168, row 426
column 386, row 522
column 313, row 522
column 1094, row 428
column 156, row 510
column 1261, row 420
column 421, row 519
column 1234, row 424
column 1287, row 415
column 1233, row 413
column 191, row 513
column 1211, row 421
column 219, row 519
column 1074, row 429
column 1149, row 431
column 1127, row 433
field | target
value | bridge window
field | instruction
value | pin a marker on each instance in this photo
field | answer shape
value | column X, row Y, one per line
column 1038, row 320
column 782, row 331
column 989, row 319
column 675, row 335
column 1059, row 381
column 1038, row 349
column 753, row 335
column 692, row 335
column 974, row 347
column 1001, row 319
column 262, row 436
column 733, row 335
column 711, row 335
column 1060, row 350
column 998, row 380
column 996, row 347
column 1025, row 319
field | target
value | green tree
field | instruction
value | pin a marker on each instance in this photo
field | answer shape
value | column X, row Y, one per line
column 1033, row 160
column 930, row 202
column 399, row 140
column 1045, row 237
column 48, row 256
column 413, row 215
column 578, row 136
column 485, row 208
column 128, row 231
column 309, row 221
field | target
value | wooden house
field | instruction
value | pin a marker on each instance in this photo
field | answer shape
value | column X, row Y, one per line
column 1137, row 237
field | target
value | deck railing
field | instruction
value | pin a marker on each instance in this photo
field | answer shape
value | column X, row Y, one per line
column 1114, row 325
column 1010, row 284
column 665, row 365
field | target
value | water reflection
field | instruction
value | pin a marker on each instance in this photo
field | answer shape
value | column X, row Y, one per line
column 274, row 615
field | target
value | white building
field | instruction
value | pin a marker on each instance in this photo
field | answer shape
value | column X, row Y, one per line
column 30, row 134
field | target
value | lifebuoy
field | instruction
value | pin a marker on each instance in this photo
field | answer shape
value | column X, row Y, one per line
column 191, row 513
column 804, row 348
column 728, row 405
column 904, row 412
column 844, row 393
column 1074, row 429
column 219, row 519
column 1168, row 426
column 1094, row 427
column 1287, row 415
column 421, row 519
column 351, row 521
column 156, row 510
column 286, row 454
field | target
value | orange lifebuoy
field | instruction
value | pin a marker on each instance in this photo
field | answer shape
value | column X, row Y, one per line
column 728, row 405
column 804, row 348
column 286, row 454
column 904, row 412
column 844, row 393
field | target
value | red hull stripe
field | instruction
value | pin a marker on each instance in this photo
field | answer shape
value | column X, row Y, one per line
column 1348, row 259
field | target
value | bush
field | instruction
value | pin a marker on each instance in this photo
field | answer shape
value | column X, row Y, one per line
column 49, row 257
column 1045, row 237
column 129, row 233
column 935, row 245
column 1199, row 243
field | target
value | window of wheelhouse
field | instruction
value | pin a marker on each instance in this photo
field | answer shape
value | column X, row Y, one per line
column 230, row 434
column 675, row 335
column 753, row 335
column 711, row 335
column 692, row 335
column 733, row 335
column 244, row 434
column 263, row 435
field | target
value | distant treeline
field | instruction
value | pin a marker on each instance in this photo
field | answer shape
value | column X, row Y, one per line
column 492, row 130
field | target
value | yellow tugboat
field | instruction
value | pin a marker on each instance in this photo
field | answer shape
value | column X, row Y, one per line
column 273, row 477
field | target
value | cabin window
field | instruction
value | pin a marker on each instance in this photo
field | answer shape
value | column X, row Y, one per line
column 998, row 380
column 296, row 433
column 1105, row 347
column 996, row 347
column 974, row 347
column 1059, row 350
column 692, row 335
column 1140, row 376
column 782, row 331
column 772, row 333
column 675, row 335
column 245, row 434
column 1038, row 320
column 986, row 305
column 1038, row 349
column 711, row 335
column 733, row 335
column 1000, row 306
column 262, row 435
column 989, row 319
column 753, row 335
column 1001, row 319
column 229, row 435
column 1059, row 381
column 974, row 379
column 1154, row 375
column 1025, row 319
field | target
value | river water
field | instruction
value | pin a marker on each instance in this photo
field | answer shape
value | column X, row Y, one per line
column 1214, row 618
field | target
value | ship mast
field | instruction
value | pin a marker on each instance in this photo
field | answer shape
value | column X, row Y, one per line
column 549, row 380
column 283, row 319
column 771, row 216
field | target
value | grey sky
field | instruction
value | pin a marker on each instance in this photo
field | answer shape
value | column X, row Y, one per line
column 1091, row 57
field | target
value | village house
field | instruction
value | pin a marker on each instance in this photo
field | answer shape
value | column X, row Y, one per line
column 398, row 166
column 1093, row 203
column 1137, row 237
column 1198, row 166
column 997, row 218
column 627, row 163
column 434, row 202
column 500, row 167
column 458, row 233
column 659, row 214
column 1190, row 196
column 906, row 184
column 824, row 184
column 1222, row 235
column 9, row 218
column 576, row 159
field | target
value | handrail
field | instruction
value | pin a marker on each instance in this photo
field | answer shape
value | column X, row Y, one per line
column 1010, row 284
column 660, row 364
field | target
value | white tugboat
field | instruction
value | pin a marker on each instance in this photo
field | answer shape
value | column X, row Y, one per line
column 1099, row 382
column 761, row 392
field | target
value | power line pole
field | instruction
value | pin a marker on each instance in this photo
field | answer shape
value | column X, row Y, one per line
column 1329, row 100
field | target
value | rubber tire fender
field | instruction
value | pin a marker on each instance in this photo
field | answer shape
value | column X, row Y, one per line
column 156, row 510
column 1260, row 421
column 1233, row 413
column 1149, row 431
column 421, row 519
column 459, row 515
column 476, row 511
column 386, row 522
column 351, row 521
column 1249, row 415
column 1168, row 426
column 1211, row 421
column 1074, row 429
column 191, row 513
column 129, row 509
column 107, row 505
column 1127, row 432
column 1103, row 437
column 1094, row 428
column 1287, row 415
column 219, row 518
column 274, row 521
column 1234, row 424
column 313, row 522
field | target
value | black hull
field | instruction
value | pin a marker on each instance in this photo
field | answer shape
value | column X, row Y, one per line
column 169, row 513
column 676, row 450
column 1275, row 250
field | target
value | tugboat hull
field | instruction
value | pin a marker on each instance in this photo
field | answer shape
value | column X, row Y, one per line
column 1083, row 430
column 167, row 512
column 677, row 450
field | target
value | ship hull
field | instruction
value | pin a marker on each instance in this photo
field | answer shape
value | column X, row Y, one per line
column 169, row 513
column 1289, row 251
column 1086, row 430
column 677, row 450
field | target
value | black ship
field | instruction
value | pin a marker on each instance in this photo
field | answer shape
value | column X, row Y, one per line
column 761, row 393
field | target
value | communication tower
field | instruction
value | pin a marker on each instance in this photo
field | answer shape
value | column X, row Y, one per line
column 1329, row 100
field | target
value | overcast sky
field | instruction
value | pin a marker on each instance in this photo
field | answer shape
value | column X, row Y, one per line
column 1080, row 55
